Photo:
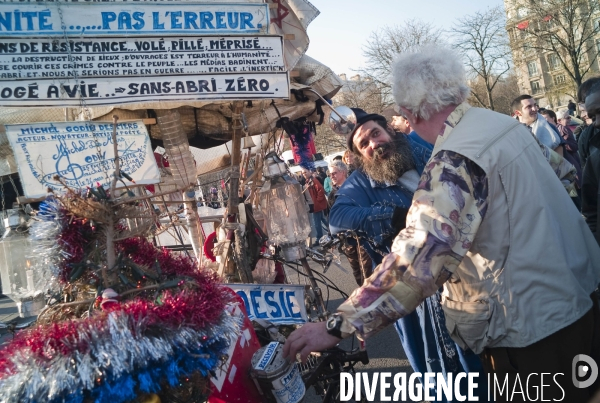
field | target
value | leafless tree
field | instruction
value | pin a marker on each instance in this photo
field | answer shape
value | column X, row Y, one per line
column 386, row 43
column 565, row 28
column 482, row 40
column 504, row 92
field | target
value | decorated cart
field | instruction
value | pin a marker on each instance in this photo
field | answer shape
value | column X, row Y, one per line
column 112, row 114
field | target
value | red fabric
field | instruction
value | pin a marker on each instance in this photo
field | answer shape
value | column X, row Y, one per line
column 318, row 195
column 209, row 245
column 233, row 383
column 311, row 144
column 298, row 153
column 523, row 25
column 547, row 18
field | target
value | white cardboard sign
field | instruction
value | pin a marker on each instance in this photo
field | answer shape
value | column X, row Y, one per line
column 81, row 153
column 276, row 303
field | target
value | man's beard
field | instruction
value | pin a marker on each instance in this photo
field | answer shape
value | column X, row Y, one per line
column 388, row 168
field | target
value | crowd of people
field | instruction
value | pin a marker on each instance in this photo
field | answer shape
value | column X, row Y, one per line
column 477, row 232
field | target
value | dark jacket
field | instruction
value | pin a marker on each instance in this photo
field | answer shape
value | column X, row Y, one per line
column 590, row 187
column 584, row 139
column 571, row 150
column 318, row 195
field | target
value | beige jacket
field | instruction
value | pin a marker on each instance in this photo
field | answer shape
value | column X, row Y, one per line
column 533, row 263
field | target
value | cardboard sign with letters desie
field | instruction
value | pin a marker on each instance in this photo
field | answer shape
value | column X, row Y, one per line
column 281, row 304
column 81, row 153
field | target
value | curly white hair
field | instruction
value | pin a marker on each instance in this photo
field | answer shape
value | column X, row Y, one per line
column 339, row 165
column 428, row 80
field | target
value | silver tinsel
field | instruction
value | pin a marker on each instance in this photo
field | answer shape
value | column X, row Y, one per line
column 112, row 347
column 44, row 231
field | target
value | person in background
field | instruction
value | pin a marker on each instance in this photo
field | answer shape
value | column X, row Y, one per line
column 525, row 110
column 571, row 154
column 591, row 172
column 401, row 125
column 339, row 173
column 348, row 159
column 317, row 194
column 322, row 175
column 549, row 115
column 327, row 185
column 360, row 262
column 397, row 121
column 316, row 177
column 571, row 107
column 337, row 158
column 300, row 178
column 590, row 131
column 491, row 224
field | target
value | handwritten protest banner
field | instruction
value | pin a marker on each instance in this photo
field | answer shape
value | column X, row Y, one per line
column 131, row 18
column 137, row 52
column 47, row 59
column 81, row 153
column 122, row 90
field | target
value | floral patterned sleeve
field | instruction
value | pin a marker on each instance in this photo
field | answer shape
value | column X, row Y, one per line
column 447, row 209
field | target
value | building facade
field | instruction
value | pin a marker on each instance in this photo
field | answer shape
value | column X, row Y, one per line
column 539, row 69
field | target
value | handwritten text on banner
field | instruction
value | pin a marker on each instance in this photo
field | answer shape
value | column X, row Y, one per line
column 122, row 90
column 48, row 59
column 81, row 153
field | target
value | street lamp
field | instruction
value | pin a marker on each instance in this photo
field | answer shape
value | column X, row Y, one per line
column 285, row 207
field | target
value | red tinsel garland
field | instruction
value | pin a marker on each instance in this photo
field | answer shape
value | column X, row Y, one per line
column 74, row 237
column 197, row 307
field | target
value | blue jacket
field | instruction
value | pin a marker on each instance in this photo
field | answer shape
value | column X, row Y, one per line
column 366, row 207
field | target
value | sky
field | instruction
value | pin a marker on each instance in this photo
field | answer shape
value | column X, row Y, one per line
column 343, row 27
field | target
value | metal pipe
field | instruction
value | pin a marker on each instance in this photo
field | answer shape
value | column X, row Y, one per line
column 315, row 288
column 342, row 120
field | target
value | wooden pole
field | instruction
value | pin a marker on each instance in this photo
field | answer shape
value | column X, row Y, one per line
column 236, row 156
column 110, row 226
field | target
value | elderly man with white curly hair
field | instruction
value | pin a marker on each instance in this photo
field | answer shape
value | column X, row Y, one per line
column 490, row 222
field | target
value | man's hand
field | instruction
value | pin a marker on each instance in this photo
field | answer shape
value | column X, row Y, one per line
column 310, row 337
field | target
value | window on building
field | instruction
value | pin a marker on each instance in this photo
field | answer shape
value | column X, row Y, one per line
column 553, row 62
column 560, row 79
column 535, row 87
column 522, row 12
column 522, row 33
column 532, row 69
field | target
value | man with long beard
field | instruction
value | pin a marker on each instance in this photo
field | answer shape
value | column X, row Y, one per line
column 491, row 223
column 373, row 203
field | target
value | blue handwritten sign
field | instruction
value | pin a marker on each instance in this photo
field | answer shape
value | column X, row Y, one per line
column 81, row 153
column 189, row 18
column 277, row 303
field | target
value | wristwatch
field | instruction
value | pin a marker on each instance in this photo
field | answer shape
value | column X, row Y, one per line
column 334, row 325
